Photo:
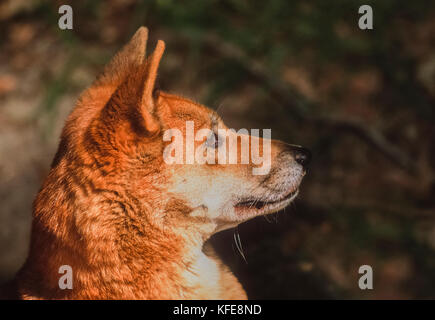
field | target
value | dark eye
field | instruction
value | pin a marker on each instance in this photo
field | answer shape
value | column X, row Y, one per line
column 213, row 141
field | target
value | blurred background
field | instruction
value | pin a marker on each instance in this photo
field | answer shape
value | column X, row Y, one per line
column 361, row 100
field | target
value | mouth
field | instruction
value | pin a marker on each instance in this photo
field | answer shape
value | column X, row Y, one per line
column 257, row 206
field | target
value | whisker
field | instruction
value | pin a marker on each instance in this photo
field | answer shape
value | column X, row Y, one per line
column 290, row 144
column 276, row 217
column 239, row 243
column 267, row 218
column 218, row 108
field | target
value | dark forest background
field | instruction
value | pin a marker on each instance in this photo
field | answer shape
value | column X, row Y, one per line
column 361, row 100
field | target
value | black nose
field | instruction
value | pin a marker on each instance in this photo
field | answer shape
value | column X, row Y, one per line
column 301, row 155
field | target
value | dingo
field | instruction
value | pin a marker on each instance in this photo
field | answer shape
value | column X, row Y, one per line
column 127, row 224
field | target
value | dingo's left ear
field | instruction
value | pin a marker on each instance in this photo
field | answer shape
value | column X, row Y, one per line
column 129, row 58
column 135, row 83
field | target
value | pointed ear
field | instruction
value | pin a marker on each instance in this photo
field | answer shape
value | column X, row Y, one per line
column 131, row 56
column 147, row 101
column 152, row 65
column 132, row 78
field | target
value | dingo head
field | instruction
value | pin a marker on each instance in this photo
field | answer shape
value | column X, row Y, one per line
column 124, row 130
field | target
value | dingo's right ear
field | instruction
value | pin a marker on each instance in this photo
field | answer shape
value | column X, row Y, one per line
column 152, row 66
column 131, row 56
column 145, row 104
